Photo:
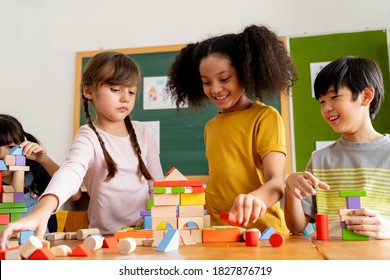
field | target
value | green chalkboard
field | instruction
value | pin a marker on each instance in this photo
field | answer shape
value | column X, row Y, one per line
column 308, row 123
column 181, row 131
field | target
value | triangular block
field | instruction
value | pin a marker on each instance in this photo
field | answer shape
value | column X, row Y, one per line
column 42, row 254
column 81, row 251
column 16, row 151
column 266, row 234
column 110, row 242
column 175, row 175
column 170, row 241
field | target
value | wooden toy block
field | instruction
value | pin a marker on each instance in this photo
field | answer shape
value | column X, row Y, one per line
column 164, row 211
column 4, row 219
column 177, row 189
column 7, row 197
column 322, row 227
column 81, row 234
column 206, row 221
column 182, row 222
column 350, row 235
column 32, row 244
column 133, row 234
column 230, row 218
column 70, row 235
column 16, row 151
column 18, row 197
column 309, row 229
column 156, row 241
column 197, row 235
column 164, row 222
column 251, row 229
column 18, row 180
column 13, row 254
column 12, row 243
column 188, row 239
column 174, row 174
column 148, row 242
column 276, row 239
column 61, row 250
column 24, row 235
column 147, row 222
column 178, row 184
column 170, row 241
column 266, row 234
column 126, row 246
column 214, row 235
column 55, row 236
column 139, row 241
column 352, row 193
column 191, row 211
column 3, row 252
column 110, row 242
column 353, row 202
column 18, row 168
column 20, row 160
column 80, row 251
column 93, row 242
column 166, row 199
column 10, row 160
column 251, row 238
column 197, row 189
column 160, row 190
column 16, row 216
column 8, row 189
column 42, row 254
column 17, row 207
column 192, row 199
column 1, row 180
column 145, row 213
column 45, row 243
column 3, row 166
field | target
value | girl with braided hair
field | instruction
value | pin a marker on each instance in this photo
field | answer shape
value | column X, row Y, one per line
column 115, row 157
column 245, row 141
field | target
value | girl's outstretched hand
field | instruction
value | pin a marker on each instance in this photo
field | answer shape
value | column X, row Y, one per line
column 369, row 223
column 301, row 184
column 34, row 151
column 248, row 208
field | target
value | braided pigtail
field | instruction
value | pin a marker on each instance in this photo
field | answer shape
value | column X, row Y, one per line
column 111, row 165
column 133, row 138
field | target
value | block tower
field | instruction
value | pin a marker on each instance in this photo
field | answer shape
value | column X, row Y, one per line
column 12, row 205
column 352, row 202
column 178, row 204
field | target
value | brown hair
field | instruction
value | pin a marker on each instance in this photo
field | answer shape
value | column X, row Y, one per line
column 113, row 68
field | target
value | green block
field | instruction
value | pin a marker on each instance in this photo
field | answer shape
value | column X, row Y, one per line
column 352, row 193
column 2, row 227
column 16, row 216
column 177, row 189
column 160, row 190
column 350, row 235
column 150, row 204
column 13, row 210
column 12, row 205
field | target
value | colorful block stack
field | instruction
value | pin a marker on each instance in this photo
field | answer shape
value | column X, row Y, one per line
column 352, row 202
column 12, row 205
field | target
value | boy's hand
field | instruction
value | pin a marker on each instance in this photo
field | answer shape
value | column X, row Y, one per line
column 301, row 184
column 248, row 208
column 372, row 224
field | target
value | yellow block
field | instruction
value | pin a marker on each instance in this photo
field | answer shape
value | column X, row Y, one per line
column 61, row 220
column 193, row 199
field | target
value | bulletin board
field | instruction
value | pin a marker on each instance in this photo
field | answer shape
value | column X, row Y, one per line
column 181, row 131
column 308, row 124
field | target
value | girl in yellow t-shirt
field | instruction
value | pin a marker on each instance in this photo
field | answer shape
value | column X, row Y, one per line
column 245, row 141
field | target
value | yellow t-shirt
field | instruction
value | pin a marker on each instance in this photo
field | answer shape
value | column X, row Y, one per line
column 236, row 143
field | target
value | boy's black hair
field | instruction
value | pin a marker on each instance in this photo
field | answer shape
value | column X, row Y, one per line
column 356, row 73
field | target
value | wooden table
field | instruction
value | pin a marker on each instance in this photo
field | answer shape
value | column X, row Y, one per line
column 338, row 249
column 294, row 248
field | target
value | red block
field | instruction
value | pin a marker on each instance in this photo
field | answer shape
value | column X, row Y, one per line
column 276, row 239
column 42, row 254
column 229, row 217
column 251, row 238
column 80, row 251
column 322, row 227
column 110, row 242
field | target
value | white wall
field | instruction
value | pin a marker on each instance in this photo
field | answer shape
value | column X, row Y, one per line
column 39, row 39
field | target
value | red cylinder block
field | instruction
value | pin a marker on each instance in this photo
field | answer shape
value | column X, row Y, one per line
column 322, row 227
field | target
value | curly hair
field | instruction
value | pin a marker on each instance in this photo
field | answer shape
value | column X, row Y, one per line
column 261, row 60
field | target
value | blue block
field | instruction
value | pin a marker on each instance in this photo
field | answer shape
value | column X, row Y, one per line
column 170, row 241
column 266, row 234
column 3, row 167
column 24, row 235
column 147, row 222
column 16, row 151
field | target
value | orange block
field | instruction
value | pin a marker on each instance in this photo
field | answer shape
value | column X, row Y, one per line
column 134, row 234
column 230, row 218
column 110, row 242
column 221, row 235
column 80, row 251
column 178, row 184
column 42, row 254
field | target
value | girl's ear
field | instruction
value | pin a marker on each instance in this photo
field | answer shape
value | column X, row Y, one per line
column 87, row 92
column 368, row 94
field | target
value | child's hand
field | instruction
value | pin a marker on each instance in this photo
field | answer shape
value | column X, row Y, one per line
column 248, row 208
column 301, row 184
column 372, row 224
column 29, row 222
column 34, row 151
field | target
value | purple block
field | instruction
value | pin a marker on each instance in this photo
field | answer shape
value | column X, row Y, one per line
column 342, row 224
column 353, row 202
column 20, row 160
column 18, row 197
column 145, row 213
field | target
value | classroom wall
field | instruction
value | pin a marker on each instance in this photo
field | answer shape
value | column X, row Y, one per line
column 39, row 39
